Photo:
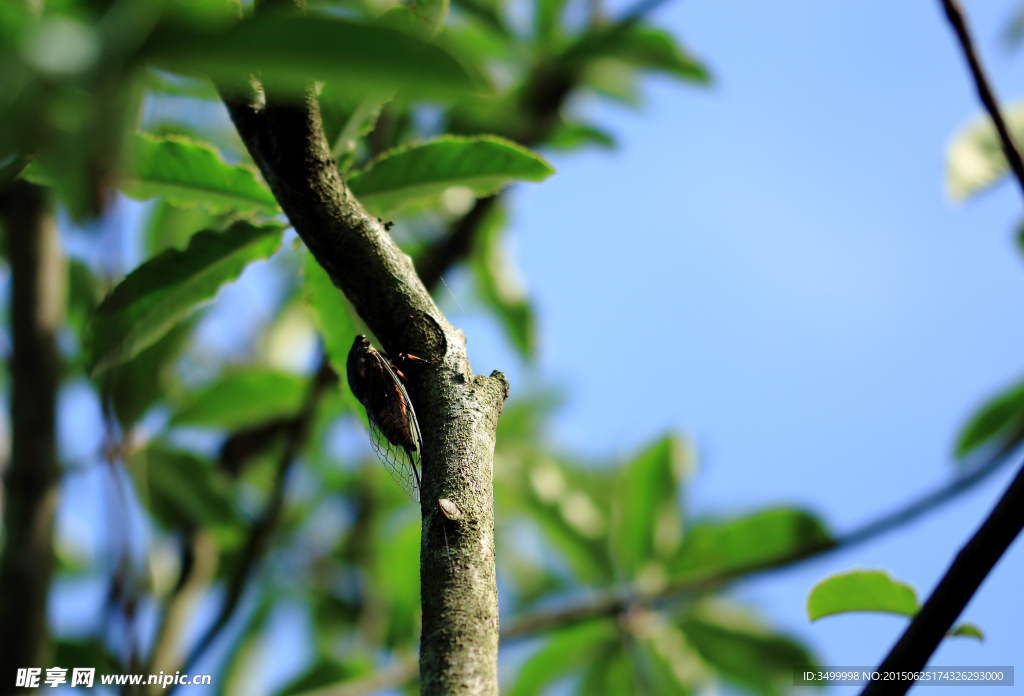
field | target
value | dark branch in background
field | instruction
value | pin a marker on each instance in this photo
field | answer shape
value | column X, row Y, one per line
column 958, row 585
column 455, row 247
column 959, row 22
column 30, row 482
column 988, row 544
column 262, row 530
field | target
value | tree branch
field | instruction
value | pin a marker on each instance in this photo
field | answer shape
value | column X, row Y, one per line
column 457, row 412
column 959, row 22
column 30, row 483
column 958, row 585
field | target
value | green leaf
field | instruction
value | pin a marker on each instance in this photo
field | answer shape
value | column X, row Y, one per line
column 346, row 119
column 750, row 543
column 567, row 650
column 613, row 78
column 968, row 630
column 759, row 661
column 572, row 515
column 166, row 289
column 487, row 12
column 188, row 173
column 399, row 578
column 975, row 159
column 182, row 490
column 500, row 283
column 645, row 505
column 861, row 591
column 547, row 20
column 653, row 49
column 244, row 650
column 132, row 388
column 244, row 398
column 288, row 51
column 84, row 294
column 664, row 662
column 172, row 226
column 333, row 316
column 611, row 673
column 419, row 174
column 421, row 19
column 1001, row 419
column 642, row 47
column 571, row 136
column 85, row 653
column 327, row 671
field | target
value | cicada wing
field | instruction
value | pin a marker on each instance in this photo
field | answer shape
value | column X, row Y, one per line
column 400, row 463
column 394, row 431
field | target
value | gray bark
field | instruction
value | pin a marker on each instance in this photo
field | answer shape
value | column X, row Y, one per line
column 457, row 411
column 32, row 475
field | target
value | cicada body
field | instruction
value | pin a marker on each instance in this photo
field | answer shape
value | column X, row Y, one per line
column 394, row 431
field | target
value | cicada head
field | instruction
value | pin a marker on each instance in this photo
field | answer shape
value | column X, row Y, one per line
column 355, row 366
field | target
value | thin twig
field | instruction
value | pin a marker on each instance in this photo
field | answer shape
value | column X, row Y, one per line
column 198, row 569
column 959, row 22
column 399, row 673
column 958, row 585
column 262, row 530
column 616, row 602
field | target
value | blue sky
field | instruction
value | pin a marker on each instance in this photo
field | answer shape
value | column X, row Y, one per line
column 771, row 266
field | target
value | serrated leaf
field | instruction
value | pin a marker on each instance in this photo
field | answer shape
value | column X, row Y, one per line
column 288, row 51
column 188, row 173
column 967, row 630
column 1001, row 419
column 419, row 174
column 975, row 159
column 567, row 650
column 759, row 661
column 861, row 590
column 645, row 493
column 244, row 398
column 168, row 288
column 757, row 541
column 500, row 283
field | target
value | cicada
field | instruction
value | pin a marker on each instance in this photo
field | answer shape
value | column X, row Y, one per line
column 394, row 430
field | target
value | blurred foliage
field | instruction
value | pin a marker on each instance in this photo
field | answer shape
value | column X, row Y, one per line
column 427, row 112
